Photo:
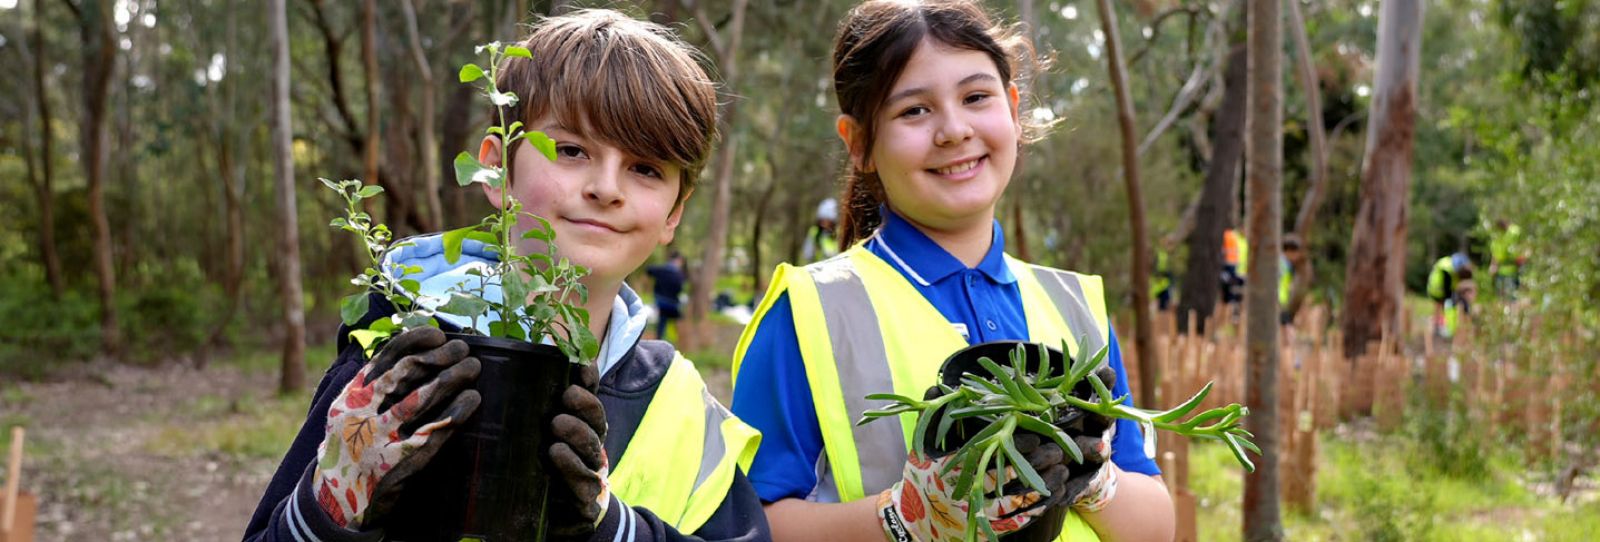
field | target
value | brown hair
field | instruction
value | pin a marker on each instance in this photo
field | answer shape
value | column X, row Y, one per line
column 630, row 83
column 873, row 45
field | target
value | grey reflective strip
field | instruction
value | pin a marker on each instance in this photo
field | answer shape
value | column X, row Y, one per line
column 715, row 447
column 1067, row 294
column 863, row 367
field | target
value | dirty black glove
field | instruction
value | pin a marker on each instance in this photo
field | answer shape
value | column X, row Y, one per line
column 580, row 492
column 385, row 425
column 1092, row 483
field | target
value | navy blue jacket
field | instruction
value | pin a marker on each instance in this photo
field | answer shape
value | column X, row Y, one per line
column 289, row 510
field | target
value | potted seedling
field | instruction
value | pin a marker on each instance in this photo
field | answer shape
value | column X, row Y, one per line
column 492, row 470
column 990, row 392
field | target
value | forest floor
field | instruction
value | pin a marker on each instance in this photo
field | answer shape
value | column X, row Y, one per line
column 121, row 452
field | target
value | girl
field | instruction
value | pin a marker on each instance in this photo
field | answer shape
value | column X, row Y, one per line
column 930, row 122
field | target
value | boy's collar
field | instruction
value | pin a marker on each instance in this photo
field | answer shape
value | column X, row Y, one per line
column 926, row 262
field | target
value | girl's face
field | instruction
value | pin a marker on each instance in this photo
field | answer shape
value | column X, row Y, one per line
column 946, row 142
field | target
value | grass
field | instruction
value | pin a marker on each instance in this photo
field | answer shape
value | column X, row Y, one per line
column 1384, row 489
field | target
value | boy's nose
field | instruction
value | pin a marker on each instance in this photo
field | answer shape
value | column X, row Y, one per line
column 604, row 187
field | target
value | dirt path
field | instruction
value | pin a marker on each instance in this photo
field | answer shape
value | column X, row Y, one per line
column 102, row 460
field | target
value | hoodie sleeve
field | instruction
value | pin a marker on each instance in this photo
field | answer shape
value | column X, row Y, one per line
column 287, row 510
column 740, row 518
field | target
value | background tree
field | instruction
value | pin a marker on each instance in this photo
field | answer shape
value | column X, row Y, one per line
column 1376, row 268
column 1264, row 170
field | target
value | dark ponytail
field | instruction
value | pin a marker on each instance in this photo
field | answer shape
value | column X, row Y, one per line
column 874, row 43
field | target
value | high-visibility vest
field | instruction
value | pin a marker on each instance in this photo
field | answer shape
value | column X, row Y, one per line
column 1285, row 281
column 1503, row 247
column 1163, row 275
column 864, row 329
column 1442, row 279
column 681, row 461
column 1235, row 250
column 823, row 244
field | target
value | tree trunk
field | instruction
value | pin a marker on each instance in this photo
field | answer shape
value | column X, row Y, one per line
column 1204, row 264
column 293, row 373
column 1264, row 170
column 1149, row 357
column 705, row 278
column 428, row 131
column 1319, row 158
column 45, row 194
column 1374, row 275
column 99, row 52
column 369, row 68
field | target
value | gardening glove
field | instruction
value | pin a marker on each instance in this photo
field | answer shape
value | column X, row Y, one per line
column 1093, row 482
column 579, row 458
column 921, row 506
column 386, row 424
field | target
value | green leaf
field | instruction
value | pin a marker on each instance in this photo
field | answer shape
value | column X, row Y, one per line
column 352, row 308
column 544, row 144
column 411, row 285
column 330, row 184
column 469, row 170
column 368, row 339
column 483, row 237
column 1023, row 468
column 339, row 223
column 1187, row 406
column 386, row 325
column 1061, row 439
column 452, row 242
column 537, row 233
column 470, row 73
column 514, row 50
column 369, row 191
column 463, row 304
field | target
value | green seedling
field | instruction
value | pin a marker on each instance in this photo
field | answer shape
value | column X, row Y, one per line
column 540, row 293
column 1010, row 399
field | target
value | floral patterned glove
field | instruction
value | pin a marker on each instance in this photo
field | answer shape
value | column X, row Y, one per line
column 1093, row 483
column 920, row 507
column 384, row 426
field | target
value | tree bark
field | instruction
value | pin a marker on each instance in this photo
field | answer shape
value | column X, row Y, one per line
column 704, row 280
column 1374, row 275
column 369, row 68
column 1149, row 357
column 99, row 52
column 1215, row 214
column 293, row 367
column 1264, row 170
column 44, row 193
column 428, row 131
column 1305, row 219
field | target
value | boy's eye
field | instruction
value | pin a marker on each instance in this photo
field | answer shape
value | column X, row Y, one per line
column 648, row 170
column 570, row 151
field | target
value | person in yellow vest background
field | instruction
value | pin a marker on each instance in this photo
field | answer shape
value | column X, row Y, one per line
column 821, row 242
column 1290, row 261
column 930, row 122
column 639, row 450
column 1162, row 277
column 1451, row 289
column 1506, row 257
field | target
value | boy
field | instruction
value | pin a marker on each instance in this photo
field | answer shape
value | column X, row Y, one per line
column 633, row 117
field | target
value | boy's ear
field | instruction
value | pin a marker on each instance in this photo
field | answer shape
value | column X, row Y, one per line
column 675, row 217
column 850, row 133
column 489, row 154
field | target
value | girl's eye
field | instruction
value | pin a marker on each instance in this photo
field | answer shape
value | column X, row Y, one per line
column 570, row 151
column 977, row 97
column 914, row 111
column 647, row 170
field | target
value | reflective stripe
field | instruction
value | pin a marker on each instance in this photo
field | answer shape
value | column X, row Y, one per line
column 847, row 307
column 1067, row 293
column 681, row 461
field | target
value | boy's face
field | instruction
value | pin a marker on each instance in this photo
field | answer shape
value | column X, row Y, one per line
column 609, row 209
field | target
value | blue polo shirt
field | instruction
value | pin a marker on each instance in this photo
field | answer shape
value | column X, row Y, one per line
column 982, row 302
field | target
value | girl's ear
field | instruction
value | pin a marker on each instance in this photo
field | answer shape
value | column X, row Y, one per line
column 489, row 154
column 851, row 134
column 1016, row 103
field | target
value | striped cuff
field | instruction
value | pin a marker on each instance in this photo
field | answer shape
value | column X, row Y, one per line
column 620, row 523
column 306, row 521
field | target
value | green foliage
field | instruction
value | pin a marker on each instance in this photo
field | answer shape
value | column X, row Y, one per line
column 1010, row 399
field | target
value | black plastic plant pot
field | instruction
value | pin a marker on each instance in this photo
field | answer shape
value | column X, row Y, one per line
column 965, row 361
column 489, row 481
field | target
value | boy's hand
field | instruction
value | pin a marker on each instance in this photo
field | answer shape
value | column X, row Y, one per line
column 580, row 460
column 377, row 434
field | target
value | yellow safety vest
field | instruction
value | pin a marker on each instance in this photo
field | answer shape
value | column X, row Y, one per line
column 681, row 461
column 864, row 329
